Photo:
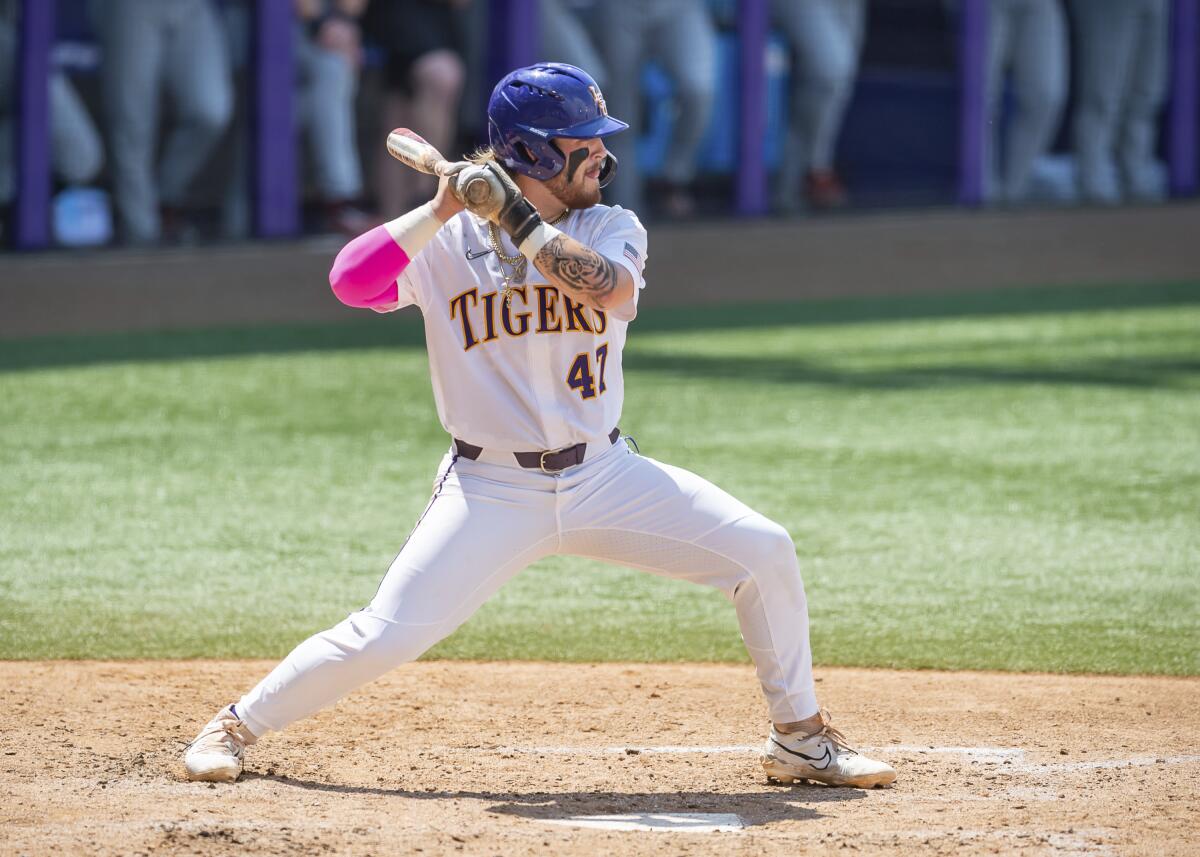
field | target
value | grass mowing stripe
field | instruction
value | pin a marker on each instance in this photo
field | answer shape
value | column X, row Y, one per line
column 967, row 487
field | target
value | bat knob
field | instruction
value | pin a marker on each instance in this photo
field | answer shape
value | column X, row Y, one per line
column 480, row 190
column 477, row 191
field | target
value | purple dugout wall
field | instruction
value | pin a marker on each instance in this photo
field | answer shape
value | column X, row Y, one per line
column 276, row 189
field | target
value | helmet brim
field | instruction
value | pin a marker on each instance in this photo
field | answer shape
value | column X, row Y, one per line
column 601, row 126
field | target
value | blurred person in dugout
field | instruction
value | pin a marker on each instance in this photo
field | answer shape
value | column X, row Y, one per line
column 423, row 43
column 1027, row 39
column 329, row 54
column 1121, row 49
column 76, row 150
column 825, row 38
column 149, row 46
column 680, row 35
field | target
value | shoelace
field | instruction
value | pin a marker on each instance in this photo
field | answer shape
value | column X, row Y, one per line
column 830, row 732
column 223, row 733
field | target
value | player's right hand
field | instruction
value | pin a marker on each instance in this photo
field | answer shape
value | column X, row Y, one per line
column 446, row 202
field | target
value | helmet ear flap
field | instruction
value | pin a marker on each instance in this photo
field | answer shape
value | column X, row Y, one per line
column 608, row 170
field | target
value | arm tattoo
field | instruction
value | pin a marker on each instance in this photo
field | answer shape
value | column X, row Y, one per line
column 581, row 270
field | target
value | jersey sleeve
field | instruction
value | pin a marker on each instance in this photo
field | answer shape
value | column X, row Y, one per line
column 411, row 284
column 623, row 240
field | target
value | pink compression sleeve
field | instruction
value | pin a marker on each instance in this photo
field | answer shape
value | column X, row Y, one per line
column 364, row 273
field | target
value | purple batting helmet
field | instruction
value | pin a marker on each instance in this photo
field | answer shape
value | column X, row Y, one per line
column 533, row 104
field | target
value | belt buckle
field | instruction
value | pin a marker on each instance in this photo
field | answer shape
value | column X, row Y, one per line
column 542, row 461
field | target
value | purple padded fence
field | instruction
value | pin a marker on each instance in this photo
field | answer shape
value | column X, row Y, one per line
column 1181, row 144
column 752, row 104
column 276, row 179
column 32, row 210
column 514, row 38
column 972, row 70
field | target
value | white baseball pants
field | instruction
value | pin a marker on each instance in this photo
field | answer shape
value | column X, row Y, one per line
column 487, row 521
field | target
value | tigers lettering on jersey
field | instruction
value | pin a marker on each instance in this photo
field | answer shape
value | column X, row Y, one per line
column 555, row 313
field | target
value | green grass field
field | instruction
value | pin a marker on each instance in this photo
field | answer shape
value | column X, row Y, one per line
column 1002, row 481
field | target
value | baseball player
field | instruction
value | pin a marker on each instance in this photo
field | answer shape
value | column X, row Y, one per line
column 526, row 296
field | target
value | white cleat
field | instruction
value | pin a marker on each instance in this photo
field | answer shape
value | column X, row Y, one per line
column 822, row 757
column 216, row 754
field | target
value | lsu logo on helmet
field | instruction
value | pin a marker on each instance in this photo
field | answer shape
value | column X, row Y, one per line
column 595, row 91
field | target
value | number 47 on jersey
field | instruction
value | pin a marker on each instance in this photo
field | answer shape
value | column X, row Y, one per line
column 580, row 376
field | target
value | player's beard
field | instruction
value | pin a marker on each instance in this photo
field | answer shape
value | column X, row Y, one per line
column 581, row 193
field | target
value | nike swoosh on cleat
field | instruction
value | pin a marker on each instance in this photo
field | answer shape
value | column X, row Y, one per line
column 827, row 758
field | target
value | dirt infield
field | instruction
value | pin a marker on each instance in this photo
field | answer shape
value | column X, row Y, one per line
column 519, row 758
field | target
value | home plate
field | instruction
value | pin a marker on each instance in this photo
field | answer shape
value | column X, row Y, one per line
column 672, row 822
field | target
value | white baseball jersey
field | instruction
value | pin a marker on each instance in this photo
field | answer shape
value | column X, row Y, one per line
column 541, row 373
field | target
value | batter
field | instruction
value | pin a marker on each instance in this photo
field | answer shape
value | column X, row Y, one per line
column 527, row 298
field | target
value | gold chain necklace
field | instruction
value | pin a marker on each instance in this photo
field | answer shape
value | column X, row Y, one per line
column 517, row 264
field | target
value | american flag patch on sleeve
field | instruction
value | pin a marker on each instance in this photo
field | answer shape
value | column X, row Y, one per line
column 632, row 254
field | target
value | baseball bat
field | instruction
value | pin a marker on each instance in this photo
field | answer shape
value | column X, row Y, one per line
column 411, row 149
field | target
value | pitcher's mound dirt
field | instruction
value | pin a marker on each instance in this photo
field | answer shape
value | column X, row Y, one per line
column 490, row 758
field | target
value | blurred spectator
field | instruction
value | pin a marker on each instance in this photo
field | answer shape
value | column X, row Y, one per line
column 679, row 35
column 1122, row 48
column 236, row 209
column 1028, row 39
column 148, row 45
column 329, row 55
column 424, row 73
column 565, row 38
column 826, row 39
column 77, row 153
